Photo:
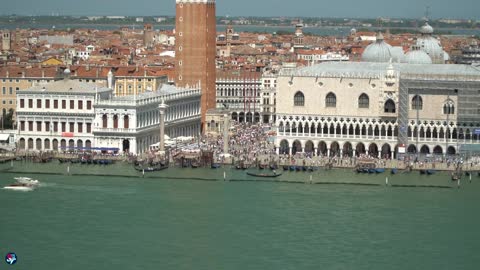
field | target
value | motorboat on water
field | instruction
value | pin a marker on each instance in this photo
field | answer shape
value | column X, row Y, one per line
column 19, row 187
column 23, row 184
column 27, row 181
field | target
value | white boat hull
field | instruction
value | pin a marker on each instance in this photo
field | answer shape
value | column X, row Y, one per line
column 18, row 188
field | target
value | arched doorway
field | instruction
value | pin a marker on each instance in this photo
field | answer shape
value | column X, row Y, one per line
column 322, row 149
column 309, row 148
column 373, row 150
column 438, row 150
column 55, row 145
column 71, row 145
column 348, row 149
column 425, row 149
column 126, row 121
column 38, row 144
column 241, row 117
column 46, row 144
column 284, row 147
column 88, row 145
column 80, row 144
column 104, row 121
column 386, row 151
column 235, row 116
column 249, row 117
column 257, row 117
column 126, row 146
column 334, row 149
column 412, row 149
column 21, row 144
column 63, row 144
column 360, row 149
column 30, row 143
column 115, row 121
column 451, row 150
column 296, row 147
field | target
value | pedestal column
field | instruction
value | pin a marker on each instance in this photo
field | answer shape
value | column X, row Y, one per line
column 161, row 108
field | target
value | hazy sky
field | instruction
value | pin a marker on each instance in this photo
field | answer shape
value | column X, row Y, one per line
column 291, row 8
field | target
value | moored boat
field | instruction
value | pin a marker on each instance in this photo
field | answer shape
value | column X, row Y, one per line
column 379, row 170
column 264, row 174
column 394, row 171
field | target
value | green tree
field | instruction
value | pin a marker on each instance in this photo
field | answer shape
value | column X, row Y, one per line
column 7, row 120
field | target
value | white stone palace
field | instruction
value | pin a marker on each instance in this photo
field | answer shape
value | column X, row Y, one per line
column 131, row 123
column 348, row 108
column 58, row 115
column 72, row 115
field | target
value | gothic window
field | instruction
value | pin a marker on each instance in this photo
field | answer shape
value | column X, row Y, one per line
column 331, row 100
column 449, row 107
column 299, row 99
column 417, row 103
column 389, row 106
column 363, row 101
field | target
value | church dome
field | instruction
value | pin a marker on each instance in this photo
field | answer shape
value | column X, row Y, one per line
column 426, row 29
column 416, row 56
column 379, row 51
column 431, row 46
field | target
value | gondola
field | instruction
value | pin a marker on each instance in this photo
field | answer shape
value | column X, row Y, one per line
column 285, row 167
column 150, row 168
column 215, row 166
column 394, row 171
column 264, row 174
column 379, row 170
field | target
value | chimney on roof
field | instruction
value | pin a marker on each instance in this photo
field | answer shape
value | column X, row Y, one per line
column 136, row 68
column 87, row 67
column 23, row 73
column 7, row 74
column 98, row 72
column 43, row 73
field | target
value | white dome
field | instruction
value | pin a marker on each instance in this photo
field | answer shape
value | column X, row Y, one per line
column 431, row 46
column 379, row 51
column 397, row 54
column 417, row 57
column 426, row 29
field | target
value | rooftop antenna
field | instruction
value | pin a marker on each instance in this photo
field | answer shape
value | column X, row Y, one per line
column 427, row 13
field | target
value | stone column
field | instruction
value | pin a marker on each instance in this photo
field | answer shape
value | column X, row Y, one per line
column 226, row 126
column 162, row 107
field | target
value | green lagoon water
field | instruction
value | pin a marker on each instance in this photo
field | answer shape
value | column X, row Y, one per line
column 176, row 221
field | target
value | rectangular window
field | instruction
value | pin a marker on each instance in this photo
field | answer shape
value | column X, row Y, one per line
column 10, row 90
column 47, row 126
column 64, row 104
column 47, row 103
column 71, row 127
column 30, row 103
column 89, row 127
column 55, row 104
column 39, row 126
column 72, row 104
column 55, row 126
column 64, row 126
column 39, row 103
column 4, row 90
column 22, row 103
column 80, row 104
column 89, row 104
column 30, row 125
column 22, row 125
column 80, row 127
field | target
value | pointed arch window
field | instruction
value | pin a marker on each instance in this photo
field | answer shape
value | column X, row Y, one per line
column 299, row 99
column 363, row 101
column 389, row 106
column 331, row 100
column 449, row 107
column 417, row 103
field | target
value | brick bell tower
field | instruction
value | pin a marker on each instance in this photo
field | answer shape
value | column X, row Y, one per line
column 195, row 49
